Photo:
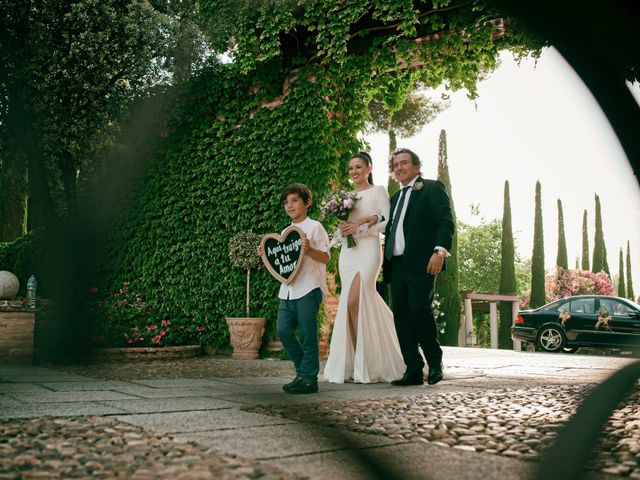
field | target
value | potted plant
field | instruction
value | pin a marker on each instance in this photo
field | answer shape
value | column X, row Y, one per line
column 245, row 332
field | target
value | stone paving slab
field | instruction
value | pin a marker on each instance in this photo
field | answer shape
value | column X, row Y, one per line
column 79, row 396
column 284, row 441
column 60, row 409
column 160, row 405
column 92, row 385
column 141, row 391
column 23, row 388
column 280, row 398
column 253, row 381
column 179, row 383
column 201, row 420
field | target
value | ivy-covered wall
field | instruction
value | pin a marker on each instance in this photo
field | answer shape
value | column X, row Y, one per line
column 223, row 171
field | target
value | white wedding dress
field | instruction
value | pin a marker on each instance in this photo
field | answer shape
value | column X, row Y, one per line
column 376, row 356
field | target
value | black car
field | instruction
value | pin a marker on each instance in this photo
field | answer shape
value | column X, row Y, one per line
column 580, row 321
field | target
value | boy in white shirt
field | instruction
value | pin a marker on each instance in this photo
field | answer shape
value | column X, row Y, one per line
column 300, row 300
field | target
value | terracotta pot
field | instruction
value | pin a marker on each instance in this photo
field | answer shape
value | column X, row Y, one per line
column 246, row 336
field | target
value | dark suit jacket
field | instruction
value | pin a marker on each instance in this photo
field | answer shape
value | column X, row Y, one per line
column 428, row 223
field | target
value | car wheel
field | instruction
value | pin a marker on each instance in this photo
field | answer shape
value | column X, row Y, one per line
column 570, row 349
column 551, row 339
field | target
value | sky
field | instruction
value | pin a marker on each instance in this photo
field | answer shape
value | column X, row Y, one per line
column 534, row 121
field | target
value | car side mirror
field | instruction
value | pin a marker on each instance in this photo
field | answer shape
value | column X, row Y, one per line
column 633, row 314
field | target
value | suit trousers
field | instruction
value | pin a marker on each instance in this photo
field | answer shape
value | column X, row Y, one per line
column 412, row 295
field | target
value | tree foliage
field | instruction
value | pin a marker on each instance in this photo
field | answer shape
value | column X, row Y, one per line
column 562, row 259
column 479, row 252
column 622, row 289
column 69, row 70
column 630, row 294
column 447, row 284
column 508, row 283
column 537, row 257
column 599, row 262
column 585, row 242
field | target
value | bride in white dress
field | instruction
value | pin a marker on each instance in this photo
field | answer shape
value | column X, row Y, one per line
column 364, row 346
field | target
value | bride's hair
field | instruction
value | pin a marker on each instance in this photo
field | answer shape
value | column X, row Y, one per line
column 367, row 159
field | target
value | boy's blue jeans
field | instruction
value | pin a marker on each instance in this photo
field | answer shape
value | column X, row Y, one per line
column 301, row 313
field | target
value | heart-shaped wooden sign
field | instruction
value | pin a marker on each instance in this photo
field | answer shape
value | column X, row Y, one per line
column 283, row 254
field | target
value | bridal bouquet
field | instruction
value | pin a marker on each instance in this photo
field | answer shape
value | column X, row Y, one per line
column 339, row 205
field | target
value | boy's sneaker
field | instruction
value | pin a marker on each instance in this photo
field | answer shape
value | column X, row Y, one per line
column 292, row 383
column 303, row 387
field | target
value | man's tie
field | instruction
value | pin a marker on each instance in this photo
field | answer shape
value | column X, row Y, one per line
column 389, row 242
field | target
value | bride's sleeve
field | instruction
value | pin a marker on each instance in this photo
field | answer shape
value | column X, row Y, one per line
column 381, row 208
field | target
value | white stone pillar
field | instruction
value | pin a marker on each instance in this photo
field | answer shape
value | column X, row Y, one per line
column 493, row 324
column 462, row 335
column 468, row 323
column 517, row 344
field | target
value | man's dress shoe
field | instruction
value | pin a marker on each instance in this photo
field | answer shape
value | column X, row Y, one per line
column 435, row 375
column 409, row 380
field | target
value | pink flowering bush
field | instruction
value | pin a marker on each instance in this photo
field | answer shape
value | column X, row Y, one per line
column 566, row 283
column 125, row 319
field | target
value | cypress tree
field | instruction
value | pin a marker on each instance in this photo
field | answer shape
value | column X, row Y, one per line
column 585, row 242
column 630, row 294
column 561, row 260
column 597, row 264
column 447, row 285
column 622, row 291
column 507, row 272
column 538, row 297
column 604, row 257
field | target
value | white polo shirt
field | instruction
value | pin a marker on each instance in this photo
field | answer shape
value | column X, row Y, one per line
column 312, row 274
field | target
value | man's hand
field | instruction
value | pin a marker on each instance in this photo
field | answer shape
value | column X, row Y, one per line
column 371, row 221
column 435, row 264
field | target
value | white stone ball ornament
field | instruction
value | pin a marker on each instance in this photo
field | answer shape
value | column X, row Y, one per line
column 9, row 285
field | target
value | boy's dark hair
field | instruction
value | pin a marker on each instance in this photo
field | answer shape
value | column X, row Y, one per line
column 299, row 188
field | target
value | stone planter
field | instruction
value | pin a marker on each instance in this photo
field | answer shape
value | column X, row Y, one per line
column 246, row 336
column 16, row 332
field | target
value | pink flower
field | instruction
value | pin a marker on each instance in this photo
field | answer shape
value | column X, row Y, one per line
column 200, row 328
column 138, row 299
column 126, row 282
column 347, row 203
column 165, row 323
column 129, row 341
column 121, row 302
column 154, row 327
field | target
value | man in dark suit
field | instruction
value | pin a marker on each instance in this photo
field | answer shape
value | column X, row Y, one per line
column 417, row 241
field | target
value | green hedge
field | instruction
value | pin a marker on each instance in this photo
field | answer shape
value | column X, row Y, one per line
column 222, row 171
